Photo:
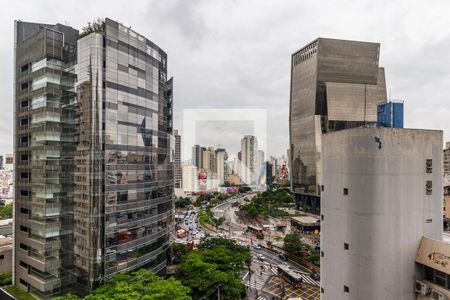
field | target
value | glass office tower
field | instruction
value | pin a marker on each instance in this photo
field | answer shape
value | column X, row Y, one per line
column 124, row 173
column 44, row 147
column 93, row 121
column 335, row 85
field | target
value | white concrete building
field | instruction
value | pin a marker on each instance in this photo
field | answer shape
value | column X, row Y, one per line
column 249, row 148
column 381, row 193
column 190, row 178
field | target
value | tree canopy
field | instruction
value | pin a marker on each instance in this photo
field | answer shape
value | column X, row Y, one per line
column 142, row 285
column 6, row 211
column 216, row 264
column 268, row 202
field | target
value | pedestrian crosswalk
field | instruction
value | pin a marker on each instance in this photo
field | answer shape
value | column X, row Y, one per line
column 256, row 283
column 305, row 277
column 262, row 298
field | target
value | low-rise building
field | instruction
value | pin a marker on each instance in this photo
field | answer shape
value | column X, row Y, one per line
column 305, row 224
column 433, row 259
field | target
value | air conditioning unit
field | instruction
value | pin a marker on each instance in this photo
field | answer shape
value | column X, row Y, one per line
column 422, row 288
column 436, row 295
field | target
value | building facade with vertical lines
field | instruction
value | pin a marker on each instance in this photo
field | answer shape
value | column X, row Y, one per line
column 96, row 178
column 335, row 85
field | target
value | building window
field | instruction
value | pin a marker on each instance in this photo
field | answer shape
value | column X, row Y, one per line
column 23, row 265
column 322, row 217
column 2, row 256
column 345, row 191
column 23, row 210
column 23, row 193
column 429, row 187
column 346, row 289
column 322, row 188
column 346, row 246
column 429, row 166
column 23, row 246
column 23, row 282
column 429, row 220
column 322, row 290
column 322, row 254
column 23, row 228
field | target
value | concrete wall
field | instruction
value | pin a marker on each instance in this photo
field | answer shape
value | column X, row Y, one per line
column 385, row 213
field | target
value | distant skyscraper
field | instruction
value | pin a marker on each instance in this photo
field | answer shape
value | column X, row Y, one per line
column 87, row 157
column 177, row 174
column 197, row 156
column 209, row 159
column 335, row 84
column 390, row 114
column 1, row 162
column 381, row 193
column 269, row 173
column 190, row 178
column 249, row 148
column 221, row 165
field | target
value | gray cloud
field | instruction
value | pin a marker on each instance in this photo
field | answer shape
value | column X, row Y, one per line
column 237, row 53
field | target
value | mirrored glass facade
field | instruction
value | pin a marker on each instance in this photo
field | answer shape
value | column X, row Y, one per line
column 44, row 145
column 335, row 84
column 93, row 125
column 124, row 170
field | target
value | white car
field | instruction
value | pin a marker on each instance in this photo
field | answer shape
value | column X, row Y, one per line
column 260, row 257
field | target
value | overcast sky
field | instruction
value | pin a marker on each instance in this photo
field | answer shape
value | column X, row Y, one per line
column 236, row 54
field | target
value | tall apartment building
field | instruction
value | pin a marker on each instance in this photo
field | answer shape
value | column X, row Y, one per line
column 209, row 159
column 197, row 156
column 177, row 174
column 381, row 193
column 221, row 165
column 335, row 84
column 95, row 175
column 249, row 149
column 190, row 178
column 446, row 162
column 44, row 145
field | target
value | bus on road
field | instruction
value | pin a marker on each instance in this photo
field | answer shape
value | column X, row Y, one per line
column 289, row 275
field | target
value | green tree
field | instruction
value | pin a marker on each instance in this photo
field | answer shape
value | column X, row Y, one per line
column 200, row 276
column 182, row 202
column 217, row 263
column 5, row 279
column 292, row 243
column 142, row 285
column 180, row 251
column 217, row 221
column 6, row 211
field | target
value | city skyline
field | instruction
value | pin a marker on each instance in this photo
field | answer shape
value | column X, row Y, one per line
column 243, row 58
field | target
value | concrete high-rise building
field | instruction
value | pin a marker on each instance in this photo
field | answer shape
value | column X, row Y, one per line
column 221, row 165
column 446, row 162
column 249, row 148
column 381, row 193
column 44, row 145
column 89, row 151
column 197, row 156
column 1, row 162
column 209, row 159
column 177, row 174
column 335, row 84
column 190, row 178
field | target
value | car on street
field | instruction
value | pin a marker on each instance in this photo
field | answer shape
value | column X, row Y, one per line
column 282, row 256
column 260, row 257
column 257, row 247
column 315, row 276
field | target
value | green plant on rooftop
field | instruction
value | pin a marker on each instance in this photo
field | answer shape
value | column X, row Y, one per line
column 97, row 25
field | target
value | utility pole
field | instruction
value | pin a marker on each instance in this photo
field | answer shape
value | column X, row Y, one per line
column 218, row 292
